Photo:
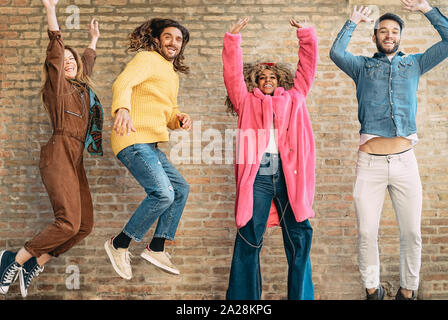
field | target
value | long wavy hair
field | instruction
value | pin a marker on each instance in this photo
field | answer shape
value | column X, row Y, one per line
column 252, row 72
column 80, row 79
column 144, row 38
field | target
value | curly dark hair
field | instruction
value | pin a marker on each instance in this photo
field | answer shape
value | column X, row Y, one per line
column 252, row 72
column 143, row 38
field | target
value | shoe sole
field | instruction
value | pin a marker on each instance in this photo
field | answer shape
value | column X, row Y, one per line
column 109, row 254
column 158, row 264
column 23, row 290
column 4, row 290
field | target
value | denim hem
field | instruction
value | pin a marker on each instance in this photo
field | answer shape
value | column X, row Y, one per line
column 131, row 236
column 167, row 237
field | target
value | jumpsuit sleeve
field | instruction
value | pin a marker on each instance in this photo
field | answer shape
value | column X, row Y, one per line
column 88, row 60
column 54, row 63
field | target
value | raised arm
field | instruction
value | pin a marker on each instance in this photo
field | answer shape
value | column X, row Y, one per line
column 306, row 67
column 54, row 61
column 439, row 51
column 346, row 61
column 50, row 7
column 232, row 58
column 89, row 55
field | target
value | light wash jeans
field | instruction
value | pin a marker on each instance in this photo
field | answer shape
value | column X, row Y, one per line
column 166, row 190
column 245, row 273
column 398, row 174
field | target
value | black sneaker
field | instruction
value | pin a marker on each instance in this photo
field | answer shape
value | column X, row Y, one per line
column 377, row 295
column 9, row 270
column 29, row 270
column 399, row 295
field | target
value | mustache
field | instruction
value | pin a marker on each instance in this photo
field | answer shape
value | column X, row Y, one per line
column 381, row 49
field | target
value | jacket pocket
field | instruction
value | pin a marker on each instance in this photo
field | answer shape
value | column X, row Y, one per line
column 406, row 68
column 373, row 70
column 46, row 154
column 73, row 113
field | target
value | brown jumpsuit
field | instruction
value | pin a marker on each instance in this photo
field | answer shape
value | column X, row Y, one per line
column 61, row 159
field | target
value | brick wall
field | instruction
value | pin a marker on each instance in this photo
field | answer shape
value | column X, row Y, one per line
column 204, row 242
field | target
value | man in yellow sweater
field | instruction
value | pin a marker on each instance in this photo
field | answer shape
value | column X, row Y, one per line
column 144, row 105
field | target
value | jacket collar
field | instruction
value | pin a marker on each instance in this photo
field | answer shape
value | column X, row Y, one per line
column 380, row 55
column 278, row 92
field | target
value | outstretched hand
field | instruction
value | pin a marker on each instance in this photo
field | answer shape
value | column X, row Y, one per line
column 50, row 3
column 94, row 29
column 361, row 15
column 295, row 23
column 123, row 123
column 416, row 5
column 237, row 27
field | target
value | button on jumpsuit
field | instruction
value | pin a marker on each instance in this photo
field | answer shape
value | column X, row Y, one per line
column 61, row 159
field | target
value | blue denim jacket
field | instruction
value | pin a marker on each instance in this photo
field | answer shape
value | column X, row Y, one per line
column 387, row 90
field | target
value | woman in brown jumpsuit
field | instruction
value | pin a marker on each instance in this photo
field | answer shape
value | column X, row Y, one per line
column 76, row 116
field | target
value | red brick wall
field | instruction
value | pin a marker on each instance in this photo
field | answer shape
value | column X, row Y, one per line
column 204, row 242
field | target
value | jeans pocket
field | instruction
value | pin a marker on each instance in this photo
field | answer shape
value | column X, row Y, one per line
column 363, row 163
column 127, row 154
column 408, row 162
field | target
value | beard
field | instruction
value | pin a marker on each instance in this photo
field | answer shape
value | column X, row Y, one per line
column 166, row 55
column 387, row 51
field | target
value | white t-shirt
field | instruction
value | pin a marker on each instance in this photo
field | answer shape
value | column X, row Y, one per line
column 366, row 137
column 272, row 146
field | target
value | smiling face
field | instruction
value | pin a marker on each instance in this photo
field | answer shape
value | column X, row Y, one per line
column 267, row 82
column 170, row 43
column 70, row 65
column 387, row 37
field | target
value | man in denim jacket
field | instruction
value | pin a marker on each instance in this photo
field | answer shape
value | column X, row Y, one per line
column 386, row 89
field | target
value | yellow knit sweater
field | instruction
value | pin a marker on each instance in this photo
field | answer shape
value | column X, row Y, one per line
column 148, row 88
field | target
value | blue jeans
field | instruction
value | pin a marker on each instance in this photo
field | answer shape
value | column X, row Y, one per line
column 166, row 190
column 245, row 275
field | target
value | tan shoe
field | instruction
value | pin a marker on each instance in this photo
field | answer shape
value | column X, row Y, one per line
column 120, row 259
column 160, row 259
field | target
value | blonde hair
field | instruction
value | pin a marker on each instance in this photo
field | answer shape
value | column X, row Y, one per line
column 252, row 72
column 80, row 78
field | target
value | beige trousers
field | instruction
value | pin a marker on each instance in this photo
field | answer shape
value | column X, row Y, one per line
column 399, row 175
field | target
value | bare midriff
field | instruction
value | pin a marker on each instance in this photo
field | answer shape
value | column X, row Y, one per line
column 382, row 145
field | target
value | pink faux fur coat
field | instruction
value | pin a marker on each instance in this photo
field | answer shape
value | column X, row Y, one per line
column 256, row 112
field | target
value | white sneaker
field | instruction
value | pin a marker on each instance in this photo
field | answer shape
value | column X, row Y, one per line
column 160, row 259
column 120, row 259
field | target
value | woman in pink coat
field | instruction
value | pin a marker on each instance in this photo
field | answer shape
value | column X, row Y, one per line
column 274, row 161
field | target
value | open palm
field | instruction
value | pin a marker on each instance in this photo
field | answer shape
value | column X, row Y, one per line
column 361, row 15
column 237, row 27
column 416, row 5
column 50, row 3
